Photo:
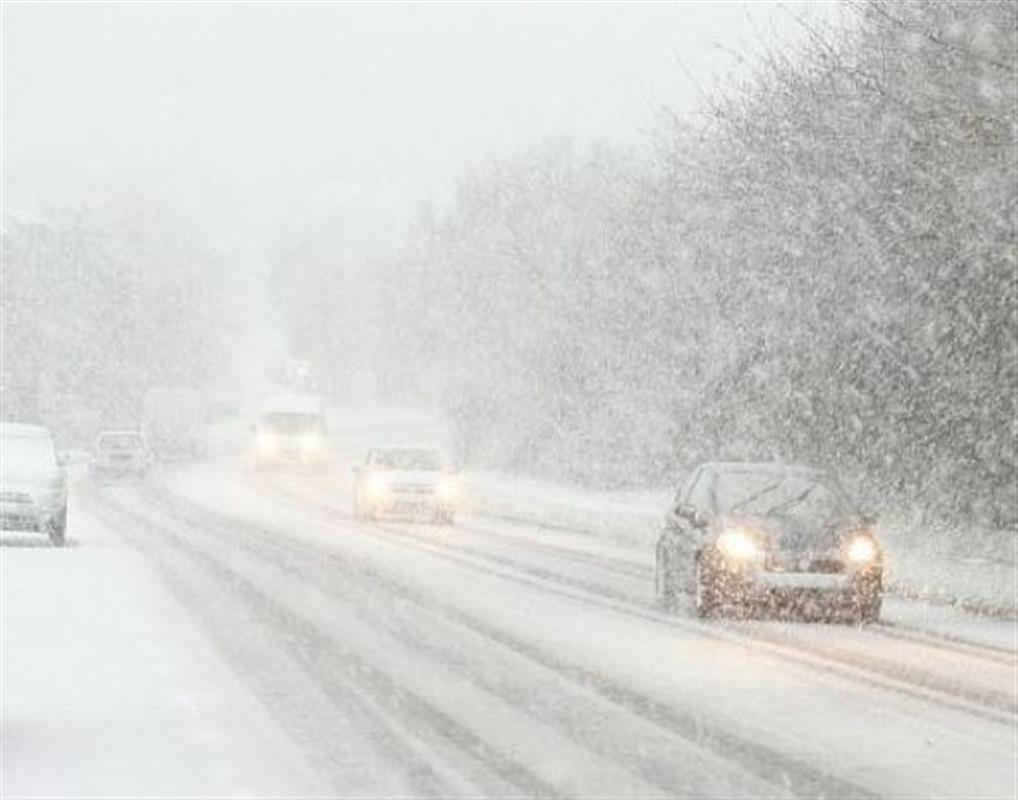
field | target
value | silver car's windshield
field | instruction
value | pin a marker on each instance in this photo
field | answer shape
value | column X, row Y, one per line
column 291, row 423
column 415, row 459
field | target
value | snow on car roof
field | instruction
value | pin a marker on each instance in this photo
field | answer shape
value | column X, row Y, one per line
column 18, row 429
column 763, row 467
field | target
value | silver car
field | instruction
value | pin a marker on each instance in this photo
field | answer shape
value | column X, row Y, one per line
column 765, row 537
column 33, row 486
column 405, row 481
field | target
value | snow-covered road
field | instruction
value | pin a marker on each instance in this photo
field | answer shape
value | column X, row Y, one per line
column 493, row 658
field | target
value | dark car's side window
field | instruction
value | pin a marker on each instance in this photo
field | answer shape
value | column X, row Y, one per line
column 686, row 492
column 700, row 491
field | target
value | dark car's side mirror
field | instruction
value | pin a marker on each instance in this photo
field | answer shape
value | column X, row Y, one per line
column 691, row 514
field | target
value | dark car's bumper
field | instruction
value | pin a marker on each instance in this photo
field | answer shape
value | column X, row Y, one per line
column 822, row 592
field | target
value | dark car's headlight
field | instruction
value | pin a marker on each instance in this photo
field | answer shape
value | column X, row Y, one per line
column 739, row 544
column 861, row 550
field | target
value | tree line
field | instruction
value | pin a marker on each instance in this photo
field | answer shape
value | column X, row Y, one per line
column 100, row 307
column 820, row 268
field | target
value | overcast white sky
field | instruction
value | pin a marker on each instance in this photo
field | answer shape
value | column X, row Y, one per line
column 266, row 119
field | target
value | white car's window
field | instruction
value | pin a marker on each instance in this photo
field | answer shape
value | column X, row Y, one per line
column 25, row 452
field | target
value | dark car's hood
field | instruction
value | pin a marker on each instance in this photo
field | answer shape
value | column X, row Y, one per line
column 801, row 537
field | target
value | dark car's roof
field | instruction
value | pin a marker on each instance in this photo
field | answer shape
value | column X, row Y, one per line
column 763, row 468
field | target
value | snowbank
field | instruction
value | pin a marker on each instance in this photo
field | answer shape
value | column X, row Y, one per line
column 109, row 688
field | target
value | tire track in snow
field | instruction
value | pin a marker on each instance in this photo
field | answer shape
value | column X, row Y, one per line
column 773, row 766
column 351, row 683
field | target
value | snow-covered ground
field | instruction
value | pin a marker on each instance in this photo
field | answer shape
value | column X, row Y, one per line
column 111, row 689
column 213, row 631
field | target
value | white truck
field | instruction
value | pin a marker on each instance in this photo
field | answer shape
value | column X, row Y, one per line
column 173, row 422
column 291, row 430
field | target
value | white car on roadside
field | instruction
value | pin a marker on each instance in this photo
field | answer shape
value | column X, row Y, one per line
column 33, row 485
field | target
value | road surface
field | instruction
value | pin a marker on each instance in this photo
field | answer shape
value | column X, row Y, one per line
column 334, row 657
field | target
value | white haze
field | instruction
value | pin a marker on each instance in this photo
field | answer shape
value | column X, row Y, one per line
column 255, row 123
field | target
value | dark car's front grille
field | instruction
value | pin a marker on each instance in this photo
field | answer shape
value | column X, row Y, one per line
column 798, row 563
column 825, row 565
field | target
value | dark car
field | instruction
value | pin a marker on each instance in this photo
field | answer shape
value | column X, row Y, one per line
column 764, row 537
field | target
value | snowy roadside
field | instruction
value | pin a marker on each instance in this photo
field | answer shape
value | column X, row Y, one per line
column 110, row 689
column 973, row 568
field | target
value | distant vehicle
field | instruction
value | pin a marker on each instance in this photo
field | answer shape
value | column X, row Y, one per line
column 119, row 454
column 292, row 431
column 405, row 480
column 33, row 486
column 745, row 537
column 173, row 422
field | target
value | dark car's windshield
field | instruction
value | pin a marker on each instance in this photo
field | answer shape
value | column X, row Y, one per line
column 781, row 496
column 417, row 459
column 288, row 423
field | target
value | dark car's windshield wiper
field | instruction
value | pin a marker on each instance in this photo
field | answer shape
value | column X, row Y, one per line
column 766, row 490
column 793, row 502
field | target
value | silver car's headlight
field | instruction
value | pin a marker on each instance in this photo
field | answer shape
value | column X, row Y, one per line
column 377, row 486
column 447, row 490
column 739, row 545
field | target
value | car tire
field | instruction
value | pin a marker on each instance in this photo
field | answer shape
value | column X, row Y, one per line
column 664, row 581
column 706, row 603
column 868, row 609
column 58, row 529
